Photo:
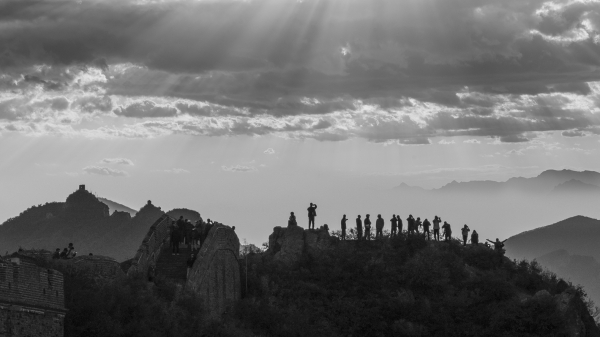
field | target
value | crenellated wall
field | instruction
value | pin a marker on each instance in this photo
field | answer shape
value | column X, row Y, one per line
column 152, row 245
column 31, row 299
column 216, row 273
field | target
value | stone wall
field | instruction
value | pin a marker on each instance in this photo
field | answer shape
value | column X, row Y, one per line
column 31, row 298
column 152, row 245
column 22, row 282
column 216, row 273
column 18, row 321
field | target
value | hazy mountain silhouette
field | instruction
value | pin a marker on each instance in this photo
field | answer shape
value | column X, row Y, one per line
column 115, row 206
column 579, row 269
column 546, row 182
column 578, row 235
column 576, row 186
column 553, row 245
column 407, row 188
column 83, row 220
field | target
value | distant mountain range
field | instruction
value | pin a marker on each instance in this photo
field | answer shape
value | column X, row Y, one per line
column 569, row 248
column 548, row 182
column 93, row 225
column 114, row 206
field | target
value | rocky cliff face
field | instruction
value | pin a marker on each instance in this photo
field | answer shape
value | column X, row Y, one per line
column 290, row 243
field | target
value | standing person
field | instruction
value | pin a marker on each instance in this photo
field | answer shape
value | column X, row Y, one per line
column 71, row 252
column 475, row 238
column 436, row 228
column 498, row 246
column 447, row 231
column 359, row 228
column 190, row 263
column 426, row 225
column 195, row 237
column 418, row 224
column 368, row 227
column 312, row 213
column 343, row 223
column 410, row 223
column 379, row 227
column 188, row 233
column 175, row 239
column 394, row 222
column 465, row 233
column 399, row 223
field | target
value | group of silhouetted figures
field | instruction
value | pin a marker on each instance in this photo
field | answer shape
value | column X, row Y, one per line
column 413, row 227
column 67, row 253
column 183, row 231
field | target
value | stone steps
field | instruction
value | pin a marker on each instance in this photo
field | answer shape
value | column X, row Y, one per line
column 173, row 266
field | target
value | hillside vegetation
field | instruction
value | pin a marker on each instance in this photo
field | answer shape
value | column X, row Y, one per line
column 406, row 286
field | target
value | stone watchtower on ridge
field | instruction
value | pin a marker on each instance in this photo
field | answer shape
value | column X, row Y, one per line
column 32, row 300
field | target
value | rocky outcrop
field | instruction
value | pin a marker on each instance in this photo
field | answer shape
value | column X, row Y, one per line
column 215, row 275
column 289, row 244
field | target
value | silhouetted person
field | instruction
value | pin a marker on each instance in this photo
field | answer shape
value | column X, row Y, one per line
column 379, row 223
column 447, row 231
column 399, row 224
column 56, row 254
column 195, row 239
column 190, row 264
column 359, row 228
column 71, row 253
column 292, row 220
column 465, row 233
column 394, row 222
column 181, row 223
column 188, row 233
column 436, row 228
column 312, row 213
column 175, row 239
column 426, row 225
column 475, row 238
column 498, row 246
column 343, row 224
column 368, row 227
column 418, row 224
column 64, row 254
column 410, row 223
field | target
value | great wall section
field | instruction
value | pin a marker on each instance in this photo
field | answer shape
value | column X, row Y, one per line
column 32, row 296
column 215, row 274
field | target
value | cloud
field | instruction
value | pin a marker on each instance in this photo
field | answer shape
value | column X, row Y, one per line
column 472, row 141
column 146, row 109
column 269, row 151
column 300, row 69
column 513, row 139
column 104, row 171
column 573, row 133
column 239, row 168
column 446, row 142
column 118, row 161
column 173, row 171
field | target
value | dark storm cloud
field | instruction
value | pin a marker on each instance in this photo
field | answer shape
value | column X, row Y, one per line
column 246, row 60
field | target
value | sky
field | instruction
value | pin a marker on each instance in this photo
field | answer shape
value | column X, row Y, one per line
column 246, row 110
